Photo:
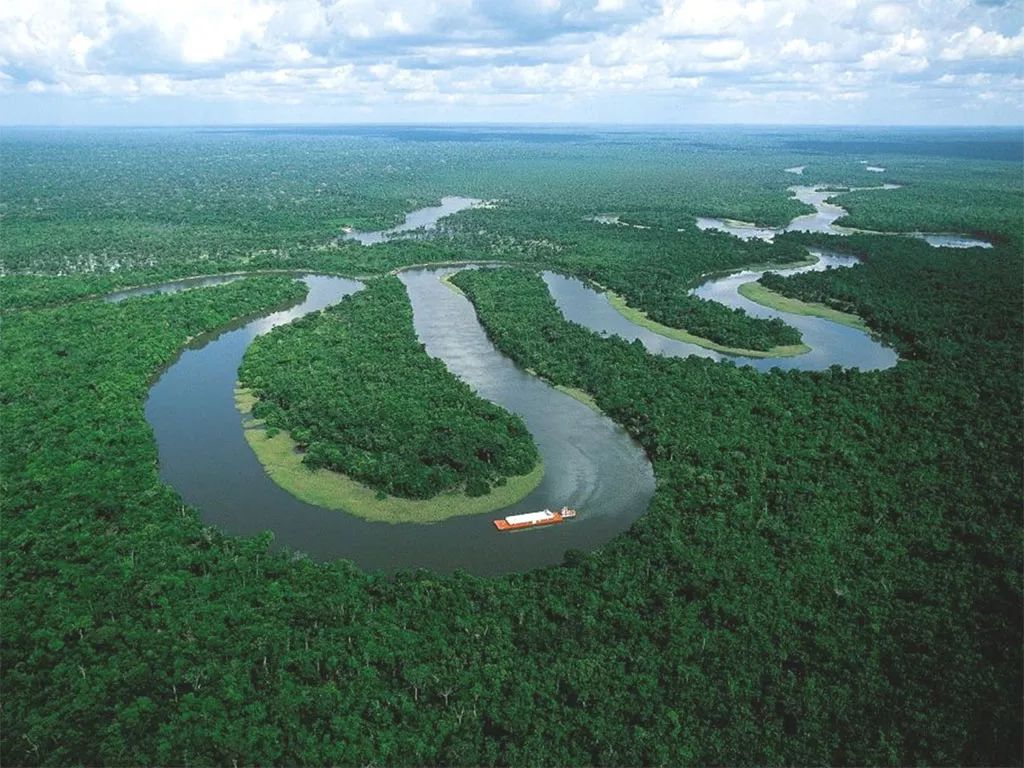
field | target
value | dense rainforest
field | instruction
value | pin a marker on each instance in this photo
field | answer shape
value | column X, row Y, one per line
column 829, row 571
column 355, row 389
column 906, row 511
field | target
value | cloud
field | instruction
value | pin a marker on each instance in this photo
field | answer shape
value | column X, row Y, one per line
column 724, row 50
column 903, row 52
column 372, row 53
column 699, row 17
column 799, row 48
column 976, row 43
column 889, row 17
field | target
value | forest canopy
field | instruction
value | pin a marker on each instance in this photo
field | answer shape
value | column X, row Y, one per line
column 354, row 387
column 829, row 571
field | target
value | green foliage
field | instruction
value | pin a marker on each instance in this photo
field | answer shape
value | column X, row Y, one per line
column 276, row 200
column 982, row 198
column 358, row 392
column 871, row 519
column 970, row 292
column 829, row 573
column 652, row 268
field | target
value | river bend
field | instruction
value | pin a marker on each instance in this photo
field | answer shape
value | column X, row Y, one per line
column 590, row 462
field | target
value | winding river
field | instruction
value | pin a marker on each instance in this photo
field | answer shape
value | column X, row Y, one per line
column 826, row 214
column 590, row 462
column 830, row 343
column 421, row 218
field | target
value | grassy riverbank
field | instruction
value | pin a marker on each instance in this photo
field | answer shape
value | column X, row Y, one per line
column 282, row 460
column 580, row 396
column 769, row 298
column 640, row 317
column 447, row 281
column 576, row 394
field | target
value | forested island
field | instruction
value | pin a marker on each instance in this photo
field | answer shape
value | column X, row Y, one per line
column 829, row 568
column 357, row 394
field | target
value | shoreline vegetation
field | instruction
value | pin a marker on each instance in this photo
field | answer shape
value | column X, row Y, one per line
column 575, row 393
column 109, row 284
column 639, row 317
column 766, row 297
column 282, row 460
column 371, row 417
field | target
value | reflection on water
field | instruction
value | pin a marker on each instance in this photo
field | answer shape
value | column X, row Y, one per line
column 174, row 286
column 590, row 462
column 952, row 241
column 823, row 220
column 741, row 229
column 422, row 218
column 831, row 344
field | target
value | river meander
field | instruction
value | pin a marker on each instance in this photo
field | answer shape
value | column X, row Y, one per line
column 421, row 218
column 823, row 220
column 830, row 343
column 590, row 462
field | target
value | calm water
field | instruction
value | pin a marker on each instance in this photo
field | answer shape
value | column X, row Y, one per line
column 823, row 220
column 952, row 241
column 590, row 462
column 422, row 218
column 741, row 229
column 174, row 286
column 831, row 344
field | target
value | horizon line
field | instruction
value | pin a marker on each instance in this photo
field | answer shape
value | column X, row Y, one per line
column 510, row 124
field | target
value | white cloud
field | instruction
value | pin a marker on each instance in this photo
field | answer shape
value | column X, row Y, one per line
column 700, row 17
column 724, row 50
column 799, row 48
column 904, row 52
column 203, row 31
column 509, row 51
column 889, row 17
column 976, row 43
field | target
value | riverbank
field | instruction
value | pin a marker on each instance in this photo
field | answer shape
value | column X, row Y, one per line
column 332, row 490
column 447, row 281
column 766, row 297
column 576, row 394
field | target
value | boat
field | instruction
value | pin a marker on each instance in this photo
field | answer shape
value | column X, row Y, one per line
column 534, row 519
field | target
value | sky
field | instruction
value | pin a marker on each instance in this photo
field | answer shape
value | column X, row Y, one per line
column 158, row 62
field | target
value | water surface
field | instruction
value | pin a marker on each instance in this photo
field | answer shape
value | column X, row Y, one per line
column 831, row 343
column 952, row 241
column 422, row 218
column 173, row 286
column 823, row 220
column 590, row 462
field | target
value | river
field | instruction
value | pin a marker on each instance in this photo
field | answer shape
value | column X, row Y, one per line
column 826, row 213
column 590, row 462
column 830, row 343
column 421, row 218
